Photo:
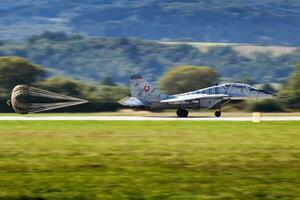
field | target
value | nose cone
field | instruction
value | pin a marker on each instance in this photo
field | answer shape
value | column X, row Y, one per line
column 265, row 95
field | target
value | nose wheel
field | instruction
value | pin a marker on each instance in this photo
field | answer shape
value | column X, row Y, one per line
column 182, row 113
column 218, row 113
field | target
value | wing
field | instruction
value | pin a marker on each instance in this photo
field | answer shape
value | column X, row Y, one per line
column 131, row 101
column 191, row 97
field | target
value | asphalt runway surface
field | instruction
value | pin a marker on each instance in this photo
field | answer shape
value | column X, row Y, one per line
column 137, row 118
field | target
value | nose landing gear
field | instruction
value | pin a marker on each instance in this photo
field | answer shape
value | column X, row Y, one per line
column 218, row 113
column 182, row 112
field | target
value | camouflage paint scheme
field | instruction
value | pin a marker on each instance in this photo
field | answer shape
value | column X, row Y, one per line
column 144, row 94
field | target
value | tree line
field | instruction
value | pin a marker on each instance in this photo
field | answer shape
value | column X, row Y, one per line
column 104, row 96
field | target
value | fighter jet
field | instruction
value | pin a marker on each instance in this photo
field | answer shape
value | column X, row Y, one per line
column 145, row 95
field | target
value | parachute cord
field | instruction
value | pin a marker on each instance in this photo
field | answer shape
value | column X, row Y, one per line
column 40, row 107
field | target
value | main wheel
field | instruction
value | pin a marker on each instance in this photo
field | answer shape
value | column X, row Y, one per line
column 218, row 113
column 185, row 113
column 179, row 112
column 182, row 113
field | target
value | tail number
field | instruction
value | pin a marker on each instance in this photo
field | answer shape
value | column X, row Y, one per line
column 146, row 88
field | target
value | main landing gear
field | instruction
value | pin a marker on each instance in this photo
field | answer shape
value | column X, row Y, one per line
column 182, row 112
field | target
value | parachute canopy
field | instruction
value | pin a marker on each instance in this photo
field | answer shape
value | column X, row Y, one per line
column 26, row 99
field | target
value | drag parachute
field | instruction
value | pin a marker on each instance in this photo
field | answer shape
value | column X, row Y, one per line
column 26, row 99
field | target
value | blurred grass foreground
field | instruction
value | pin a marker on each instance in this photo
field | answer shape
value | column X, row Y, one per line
column 149, row 160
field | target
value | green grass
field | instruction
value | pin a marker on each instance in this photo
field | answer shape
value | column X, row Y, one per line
column 149, row 160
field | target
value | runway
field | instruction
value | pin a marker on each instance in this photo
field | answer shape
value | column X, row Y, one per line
column 137, row 118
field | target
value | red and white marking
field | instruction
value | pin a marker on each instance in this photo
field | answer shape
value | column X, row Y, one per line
column 146, row 88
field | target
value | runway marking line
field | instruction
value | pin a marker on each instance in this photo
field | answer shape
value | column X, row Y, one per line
column 137, row 118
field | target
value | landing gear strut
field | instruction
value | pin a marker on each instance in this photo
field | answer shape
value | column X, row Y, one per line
column 182, row 112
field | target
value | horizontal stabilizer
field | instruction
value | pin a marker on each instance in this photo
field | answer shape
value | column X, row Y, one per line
column 131, row 101
column 190, row 97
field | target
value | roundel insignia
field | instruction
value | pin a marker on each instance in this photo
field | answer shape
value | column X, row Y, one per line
column 146, row 88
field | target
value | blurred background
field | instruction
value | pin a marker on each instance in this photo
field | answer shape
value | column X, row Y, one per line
column 89, row 49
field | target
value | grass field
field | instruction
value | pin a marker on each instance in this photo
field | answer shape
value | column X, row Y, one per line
column 149, row 160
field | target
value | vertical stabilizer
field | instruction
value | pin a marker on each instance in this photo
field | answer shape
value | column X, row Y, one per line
column 144, row 91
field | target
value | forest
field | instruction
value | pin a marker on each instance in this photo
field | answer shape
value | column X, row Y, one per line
column 96, row 58
column 256, row 22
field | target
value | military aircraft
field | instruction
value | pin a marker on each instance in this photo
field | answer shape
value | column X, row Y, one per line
column 145, row 95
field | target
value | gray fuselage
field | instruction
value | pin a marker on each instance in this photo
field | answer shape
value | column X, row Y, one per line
column 234, row 91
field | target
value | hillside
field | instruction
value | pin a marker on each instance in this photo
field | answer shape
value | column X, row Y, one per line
column 95, row 58
column 234, row 21
column 247, row 50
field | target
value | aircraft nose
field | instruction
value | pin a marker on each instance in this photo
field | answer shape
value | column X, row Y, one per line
column 268, row 94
